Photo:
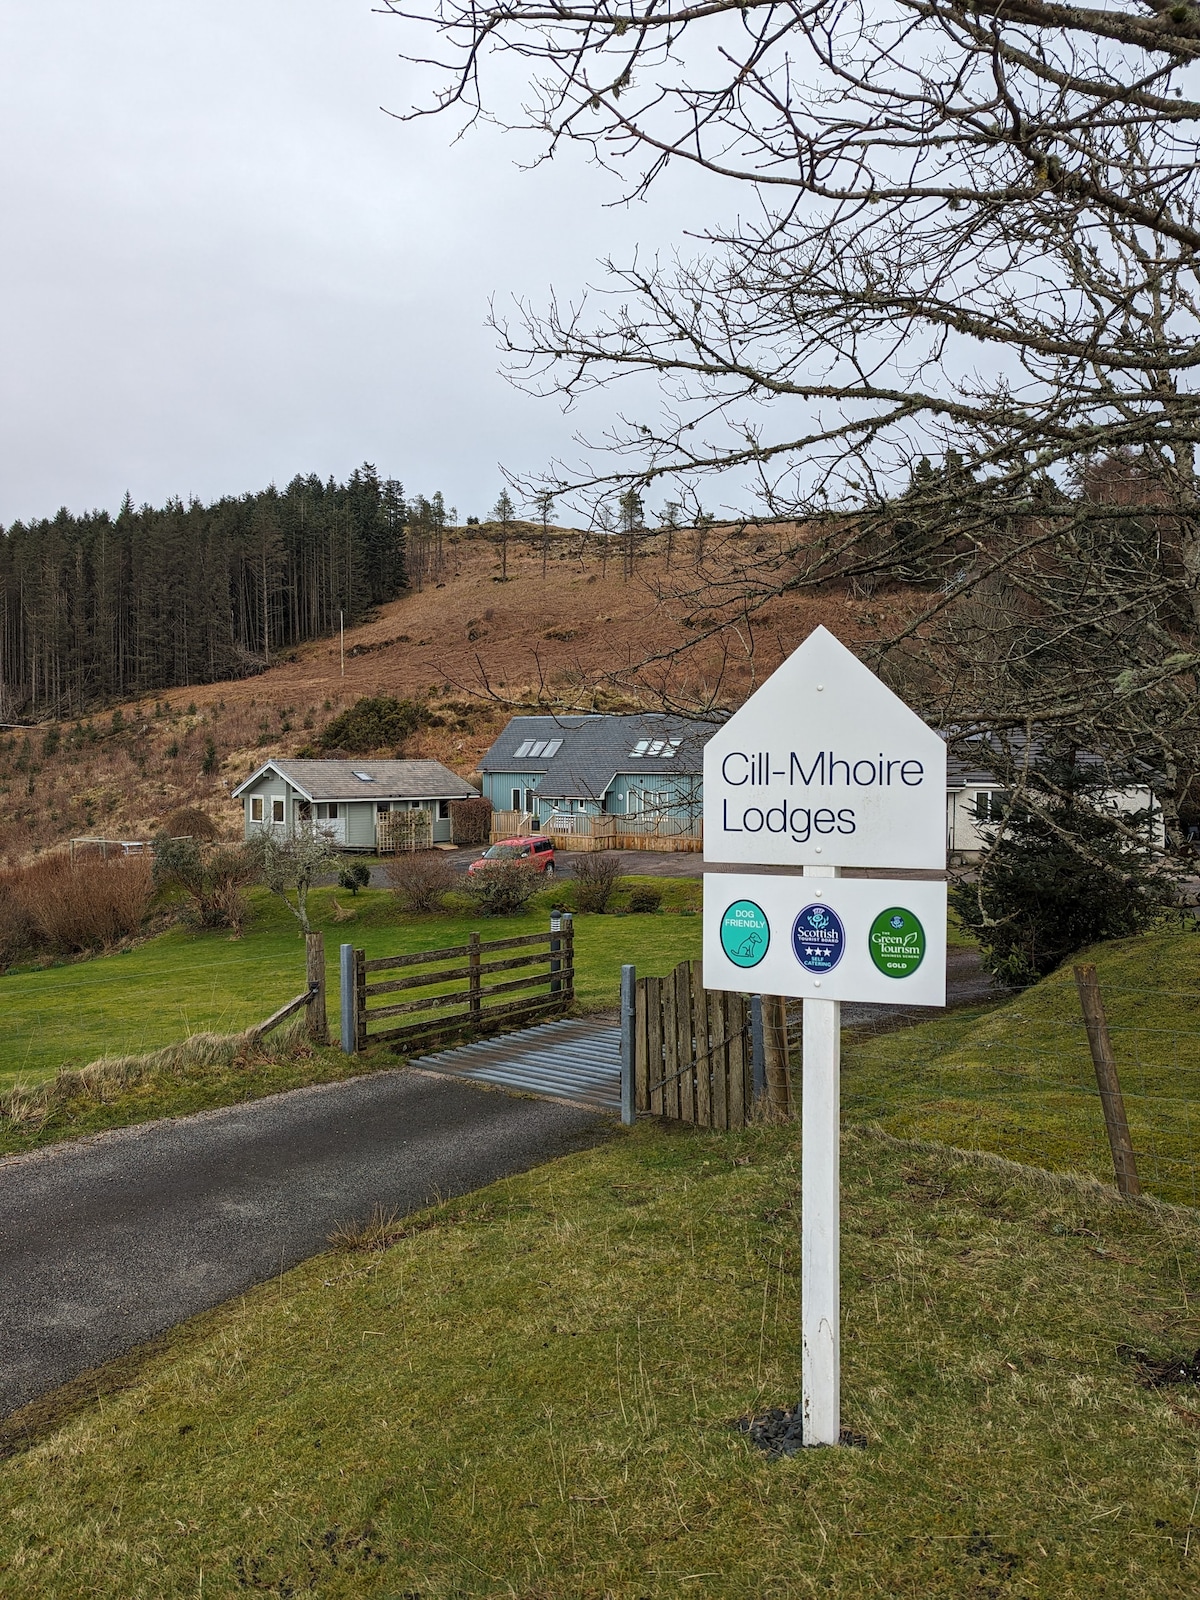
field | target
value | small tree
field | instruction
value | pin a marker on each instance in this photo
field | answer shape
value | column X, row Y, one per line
column 502, row 887
column 420, row 879
column 1063, row 872
column 291, row 867
column 503, row 512
column 543, row 503
column 596, row 875
column 211, row 879
column 632, row 513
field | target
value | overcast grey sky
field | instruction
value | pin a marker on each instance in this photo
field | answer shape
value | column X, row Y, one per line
column 223, row 264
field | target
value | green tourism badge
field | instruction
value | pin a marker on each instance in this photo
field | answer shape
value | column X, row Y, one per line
column 745, row 933
column 897, row 942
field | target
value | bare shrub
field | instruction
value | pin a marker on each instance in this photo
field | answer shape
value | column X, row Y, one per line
column 212, row 879
column 87, row 904
column 16, row 925
column 502, row 887
column 420, row 879
column 645, row 899
column 189, row 822
column 471, row 821
column 596, row 874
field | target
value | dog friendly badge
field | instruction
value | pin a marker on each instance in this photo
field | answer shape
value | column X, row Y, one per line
column 897, row 942
column 745, row 933
column 818, row 938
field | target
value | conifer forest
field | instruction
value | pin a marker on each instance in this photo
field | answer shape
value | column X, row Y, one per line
column 97, row 607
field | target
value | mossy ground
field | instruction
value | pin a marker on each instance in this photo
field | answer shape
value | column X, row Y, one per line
column 187, row 980
column 531, row 1394
column 1017, row 1078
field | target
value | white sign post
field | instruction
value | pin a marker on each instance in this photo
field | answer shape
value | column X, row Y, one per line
column 824, row 768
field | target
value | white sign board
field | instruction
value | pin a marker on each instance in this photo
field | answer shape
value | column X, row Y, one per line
column 873, row 939
column 825, row 766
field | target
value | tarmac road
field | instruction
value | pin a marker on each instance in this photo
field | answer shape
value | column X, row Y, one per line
column 106, row 1242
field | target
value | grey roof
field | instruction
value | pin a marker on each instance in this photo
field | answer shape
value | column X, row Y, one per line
column 384, row 780
column 595, row 749
column 1012, row 749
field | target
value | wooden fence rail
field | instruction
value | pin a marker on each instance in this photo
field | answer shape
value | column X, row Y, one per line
column 692, row 1055
column 462, row 1002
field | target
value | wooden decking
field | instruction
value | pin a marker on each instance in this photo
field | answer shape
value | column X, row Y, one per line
column 574, row 1060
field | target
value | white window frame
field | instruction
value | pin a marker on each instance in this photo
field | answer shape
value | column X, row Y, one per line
column 278, row 811
column 256, row 808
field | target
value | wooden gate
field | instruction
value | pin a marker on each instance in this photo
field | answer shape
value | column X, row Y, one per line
column 692, row 1050
column 461, row 1002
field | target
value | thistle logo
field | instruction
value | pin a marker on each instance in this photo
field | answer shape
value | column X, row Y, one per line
column 818, row 939
column 745, row 933
column 897, row 942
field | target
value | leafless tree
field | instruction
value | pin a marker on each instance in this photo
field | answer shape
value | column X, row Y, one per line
column 975, row 246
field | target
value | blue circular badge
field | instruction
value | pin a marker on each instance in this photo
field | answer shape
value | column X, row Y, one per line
column 818, row 938
column 745, row 933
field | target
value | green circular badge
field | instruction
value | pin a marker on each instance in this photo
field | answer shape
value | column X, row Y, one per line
column 897, row 942
column 745, row 933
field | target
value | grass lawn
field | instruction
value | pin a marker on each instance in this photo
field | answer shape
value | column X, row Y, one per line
column 1018, row 1079
column 187, row 981
column 531, row 1395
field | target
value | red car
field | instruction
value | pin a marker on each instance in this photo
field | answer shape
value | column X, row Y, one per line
column 537, row 853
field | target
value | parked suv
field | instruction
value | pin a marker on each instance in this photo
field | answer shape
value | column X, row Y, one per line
column 537, row 853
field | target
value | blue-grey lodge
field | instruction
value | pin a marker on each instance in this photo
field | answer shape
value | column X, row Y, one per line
column 553, row 771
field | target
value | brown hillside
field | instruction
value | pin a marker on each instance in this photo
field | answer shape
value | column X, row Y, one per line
column 478, row 648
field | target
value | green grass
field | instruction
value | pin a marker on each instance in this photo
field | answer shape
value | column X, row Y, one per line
column 531, row 1395
column 186, row 981
column 1017, row 1079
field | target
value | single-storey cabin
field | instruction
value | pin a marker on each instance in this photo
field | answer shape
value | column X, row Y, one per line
column 976, row 802
column 647, row 767
column 358, row 802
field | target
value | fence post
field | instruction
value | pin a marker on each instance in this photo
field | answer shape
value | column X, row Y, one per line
column 316, row 1020
column 758, row 1050
column 473, row 997
column 349, row 1030
column 360, row 999
column 1111, row 1098
column 775, row 1055
column 568, row 928
column 556, row 949
column 628, row 992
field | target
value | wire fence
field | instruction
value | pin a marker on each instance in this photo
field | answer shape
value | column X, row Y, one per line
column 1020, row 1080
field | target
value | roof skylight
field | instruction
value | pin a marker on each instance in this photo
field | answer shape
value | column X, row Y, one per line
column 663, row 749
column 532, row 749
column 365, row 776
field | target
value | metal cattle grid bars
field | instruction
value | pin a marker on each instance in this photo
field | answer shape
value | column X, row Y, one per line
column 573, row 1060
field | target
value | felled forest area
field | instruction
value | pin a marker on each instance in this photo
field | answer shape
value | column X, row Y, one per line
column 96, row 608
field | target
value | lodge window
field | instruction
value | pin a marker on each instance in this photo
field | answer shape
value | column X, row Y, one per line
column 516, row 799
column 443, row 810
column 991, row 805
column 256, row 808
column 277, row 812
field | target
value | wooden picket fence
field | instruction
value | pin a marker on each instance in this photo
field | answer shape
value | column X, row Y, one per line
column 692, row 1055
column 461, row 1002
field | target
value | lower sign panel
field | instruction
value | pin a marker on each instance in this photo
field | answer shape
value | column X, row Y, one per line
column 869, row 939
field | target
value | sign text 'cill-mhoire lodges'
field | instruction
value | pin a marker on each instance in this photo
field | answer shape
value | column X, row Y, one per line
column 801, row 778
column 825, row 766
